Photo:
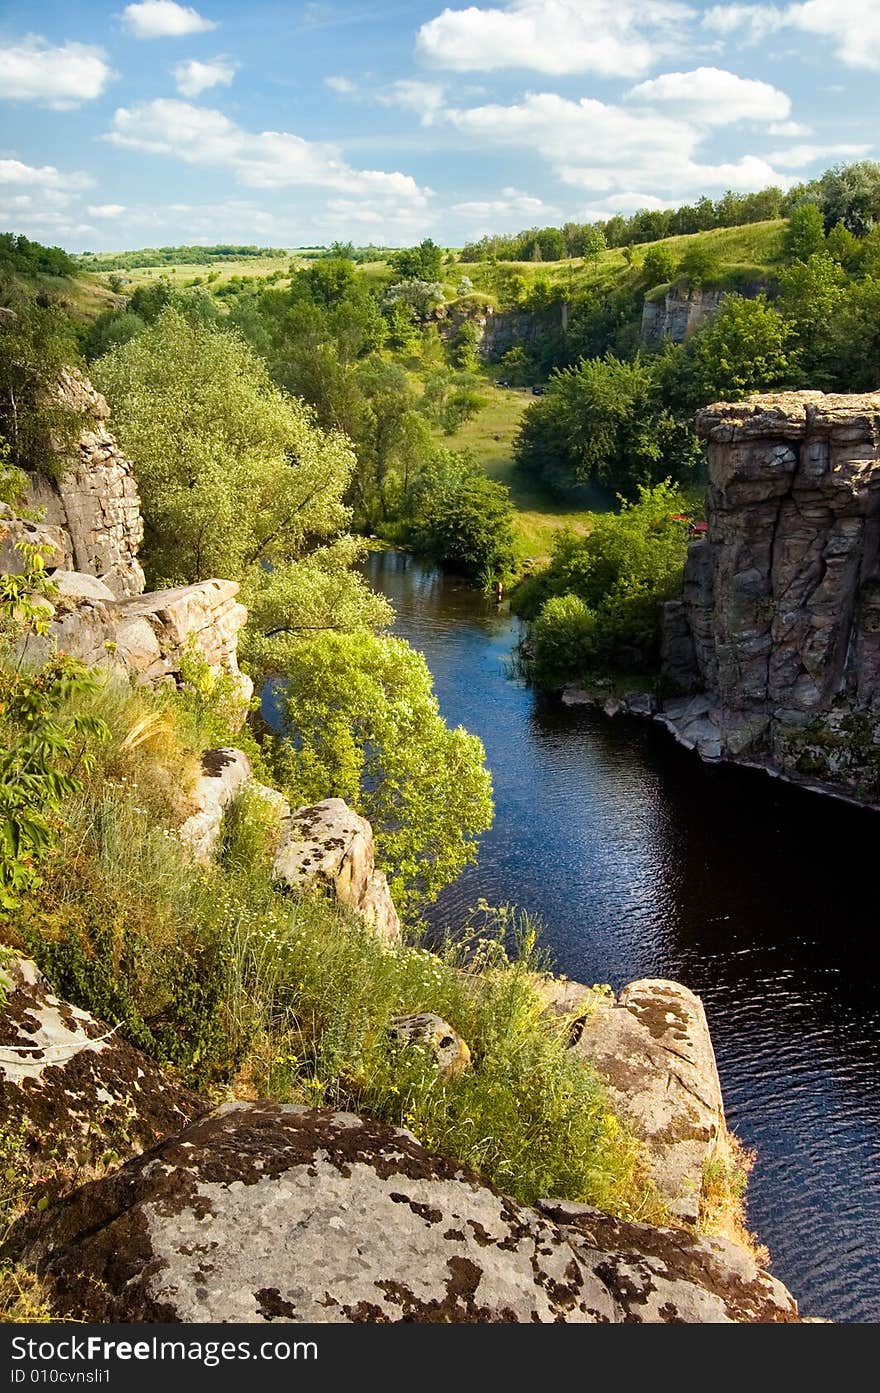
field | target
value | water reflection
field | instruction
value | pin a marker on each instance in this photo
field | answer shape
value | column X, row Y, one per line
column 642, row 861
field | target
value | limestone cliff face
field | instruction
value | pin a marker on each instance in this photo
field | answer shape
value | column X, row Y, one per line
column 95, row 501
column 676, row 316
column 90, row 528
column 778, row 629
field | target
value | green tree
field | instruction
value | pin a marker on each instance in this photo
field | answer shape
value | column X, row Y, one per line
column 236, row 478
column 365, row 726
column 745, row 348
column 421, row 263
column 805, row 234
column 660, row 264
column 463, row 519
column 810, row 293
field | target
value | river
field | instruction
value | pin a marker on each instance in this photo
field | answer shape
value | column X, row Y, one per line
column 642, row 861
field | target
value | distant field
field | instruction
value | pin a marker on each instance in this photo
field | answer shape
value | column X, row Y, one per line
column 215, row 274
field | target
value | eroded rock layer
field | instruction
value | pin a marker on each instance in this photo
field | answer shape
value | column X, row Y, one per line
column 778, row 629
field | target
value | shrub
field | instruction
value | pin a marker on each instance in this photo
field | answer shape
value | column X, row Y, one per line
column 562, row 640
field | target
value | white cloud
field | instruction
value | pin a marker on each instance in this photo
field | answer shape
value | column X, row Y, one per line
column 610, row 37
column 628, row 150
column 512, row 204
column 792, row 128
column 267, row 160
column 797, row 156
column 343, row 85
column 752, row 22
column 194, row 77
column 714, row 97
column 61, row 76
column 852, row 26
column 14, row 172
column 424, row 98
column 106, row 210
column 163, row 19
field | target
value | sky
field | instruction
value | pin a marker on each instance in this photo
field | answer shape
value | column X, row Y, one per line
column 288, row 124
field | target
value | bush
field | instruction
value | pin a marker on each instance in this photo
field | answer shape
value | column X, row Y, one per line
column 562, row 641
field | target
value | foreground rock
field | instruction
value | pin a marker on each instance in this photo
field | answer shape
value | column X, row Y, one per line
column 329, row 848
column 262, row 1212
column 71, row 1089
column 652, row 1049
column 778, row 628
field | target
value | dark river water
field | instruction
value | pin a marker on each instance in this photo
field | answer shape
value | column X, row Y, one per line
column 642, row 861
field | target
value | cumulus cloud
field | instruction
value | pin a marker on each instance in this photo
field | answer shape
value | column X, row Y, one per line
column 609, row 37
column 59, row 76
column 194, row 77
column 713, row 97
column 424, row 98
column 852, row 26
column 46, row 176
column 628, row 150
column 343, row 85
column 106, row 210
column 267, row 160
column 163, row 19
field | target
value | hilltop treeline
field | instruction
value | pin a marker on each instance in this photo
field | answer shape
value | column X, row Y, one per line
column 20, row 256
column 173, row 256
column 847, row 193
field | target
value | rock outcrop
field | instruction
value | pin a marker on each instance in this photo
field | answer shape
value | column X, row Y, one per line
column 678, row 314
column 777, row 635
column 652, row 1049
column 95, row 499
column 72, row 1091
column 264, row 1212
column 90, row 529
column 329, row 848
column 437, row 1037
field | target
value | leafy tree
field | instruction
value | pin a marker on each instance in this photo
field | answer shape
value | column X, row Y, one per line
column 805, row 234
column 463, row 519
column 421, row 263
column 660, row 264
column 851, row 194
column 854, row 337
column 745, row 348
column 463, row 346
column 842, row 246
column 420, row 296
column 603, row 421
column 810, row 292
column 236, row 478
column 365, row 726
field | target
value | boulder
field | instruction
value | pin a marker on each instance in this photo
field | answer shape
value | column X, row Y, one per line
column 53, row 542
column 224, row 774
column 265, row 1212
column 653, row 1051
column 432, row 1034
column 329, row 848
column 71, row 1087
column 76, row 587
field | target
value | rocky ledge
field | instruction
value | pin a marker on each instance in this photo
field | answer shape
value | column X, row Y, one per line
column 266, row 1212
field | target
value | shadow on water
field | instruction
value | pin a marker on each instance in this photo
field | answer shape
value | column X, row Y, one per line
column 641, row 861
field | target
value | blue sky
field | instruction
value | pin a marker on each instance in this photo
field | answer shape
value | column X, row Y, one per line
column 290, row 124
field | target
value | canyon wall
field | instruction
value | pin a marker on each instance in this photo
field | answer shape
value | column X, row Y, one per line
column 777, row 636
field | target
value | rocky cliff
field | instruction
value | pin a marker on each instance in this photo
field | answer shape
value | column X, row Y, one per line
column 89, row 524
column 777, row 634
